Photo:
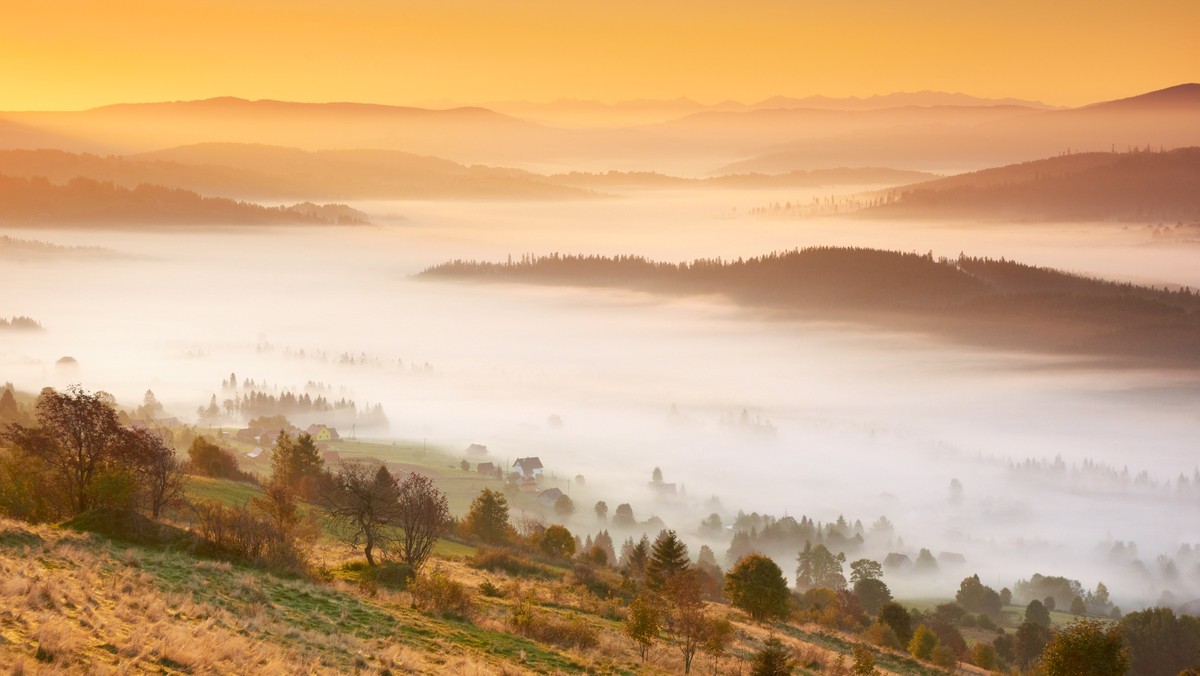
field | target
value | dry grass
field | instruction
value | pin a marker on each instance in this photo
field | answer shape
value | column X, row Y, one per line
column 75, row 603
column 72, row 603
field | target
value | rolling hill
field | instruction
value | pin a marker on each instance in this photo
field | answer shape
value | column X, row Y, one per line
column 36, row 202
column 253, row 171
column 1135, row 187
column 975, row 300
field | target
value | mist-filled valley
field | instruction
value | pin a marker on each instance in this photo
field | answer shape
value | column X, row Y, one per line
column 1055, row 457
column 603, row 339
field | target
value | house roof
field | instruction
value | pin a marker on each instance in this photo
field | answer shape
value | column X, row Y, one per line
column 485, row 467
column 532, row 462
column 551, row 493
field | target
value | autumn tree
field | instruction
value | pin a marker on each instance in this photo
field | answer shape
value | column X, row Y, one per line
column 564, row 506
column 624, row 516
column 826, row 568
column 209, row 459
column 557, row 541
column 487, row 518
column 78, row 438
column 922, row 643
column 976, row 597
column 757, row 586
column 297, row 463
column 1028, row 642
column 685, row 619
column 1036, row 612
column 897, row 617
column 718, row 636
column 643, row 623
column 1086, row 647
column 422, row 515
column 1161, row 642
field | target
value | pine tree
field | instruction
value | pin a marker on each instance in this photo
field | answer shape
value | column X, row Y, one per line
column 668, row 557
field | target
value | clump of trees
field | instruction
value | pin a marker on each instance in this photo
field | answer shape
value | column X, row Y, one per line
column 77, row 457
column 208, row 459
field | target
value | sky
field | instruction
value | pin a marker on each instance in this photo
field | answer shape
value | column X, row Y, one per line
column 76, row 54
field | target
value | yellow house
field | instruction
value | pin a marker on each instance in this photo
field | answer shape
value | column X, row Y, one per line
column 322, row 433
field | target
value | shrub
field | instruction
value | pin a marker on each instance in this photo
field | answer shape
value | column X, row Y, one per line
column 436, row 593
column 241, row 533
column 488, row 589
column 564, row 632
column 500, row 560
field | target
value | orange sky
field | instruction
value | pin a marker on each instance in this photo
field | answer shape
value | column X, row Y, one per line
column 71, row 54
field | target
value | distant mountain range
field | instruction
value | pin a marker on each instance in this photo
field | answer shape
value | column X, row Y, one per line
column 1167, row 118
column 923, row 131
column 974, row 300
column 1134, row 186
column 576, row 112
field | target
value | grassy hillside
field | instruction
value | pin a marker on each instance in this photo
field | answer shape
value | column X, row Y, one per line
column 77, row 602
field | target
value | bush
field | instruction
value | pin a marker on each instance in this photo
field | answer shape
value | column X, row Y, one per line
column 243, row 534
column 436, row 593
column 488, row 589
column 503, row 561
column 391, row 575
column 564, row 632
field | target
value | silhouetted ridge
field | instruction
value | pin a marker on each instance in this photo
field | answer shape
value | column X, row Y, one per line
column 82, row 201
column 1132, row 186
column 980, row 300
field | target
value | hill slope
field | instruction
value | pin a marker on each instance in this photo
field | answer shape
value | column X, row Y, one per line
column 1137, row 186
column 273, row 172
column 37, row 202
column 980, row 301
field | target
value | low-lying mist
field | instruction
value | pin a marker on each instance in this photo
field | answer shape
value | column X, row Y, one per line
column 778, row 417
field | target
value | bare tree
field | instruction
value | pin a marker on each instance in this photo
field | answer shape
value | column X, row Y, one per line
column 423, row 515
column 362, row 507
column 160, row 472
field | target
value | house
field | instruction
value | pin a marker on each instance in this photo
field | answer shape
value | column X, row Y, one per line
column 322, row 433
column 486, row 468
column 528, row 468
column 331, row 458
column 548, row 497
column 896, row 561
column 477, row 449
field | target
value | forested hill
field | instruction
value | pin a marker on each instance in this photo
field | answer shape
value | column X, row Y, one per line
column 1133, row 186
column 977, row 300
column 85, row 202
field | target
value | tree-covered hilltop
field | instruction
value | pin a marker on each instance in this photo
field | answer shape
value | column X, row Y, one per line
column 978, row 300
column 83, row 201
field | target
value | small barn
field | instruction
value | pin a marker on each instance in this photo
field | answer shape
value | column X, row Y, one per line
column 486, row 468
